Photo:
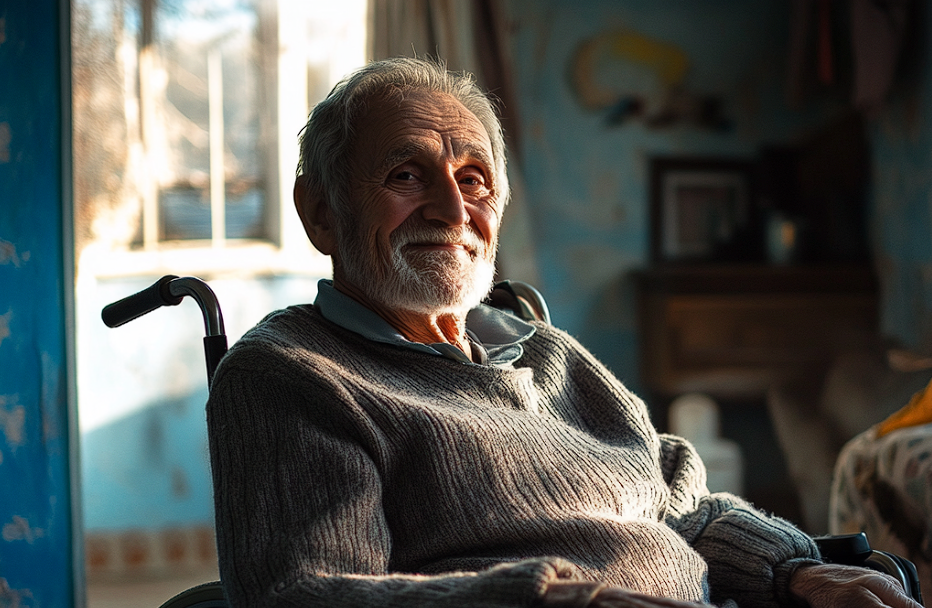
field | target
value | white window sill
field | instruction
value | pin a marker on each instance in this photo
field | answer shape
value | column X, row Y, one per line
column 239, row 258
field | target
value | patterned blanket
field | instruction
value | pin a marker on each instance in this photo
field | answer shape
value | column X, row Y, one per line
column 883, row 486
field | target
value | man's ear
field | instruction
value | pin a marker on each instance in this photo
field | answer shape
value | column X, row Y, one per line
column 315, row 216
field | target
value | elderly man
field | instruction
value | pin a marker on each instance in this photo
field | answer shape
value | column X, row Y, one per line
column 398, row 443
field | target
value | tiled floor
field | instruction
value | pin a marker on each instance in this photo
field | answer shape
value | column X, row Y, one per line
column 146, row 568
column 150, row 593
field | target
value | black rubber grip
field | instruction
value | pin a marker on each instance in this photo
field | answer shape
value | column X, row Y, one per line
column 847, row 549
column 134, row 306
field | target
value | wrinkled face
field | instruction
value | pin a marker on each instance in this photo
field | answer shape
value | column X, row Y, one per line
column 425, row 211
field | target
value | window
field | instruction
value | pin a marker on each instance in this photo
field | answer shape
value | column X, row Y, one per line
column 187, row 114
column 186, row 117
column 205, row 124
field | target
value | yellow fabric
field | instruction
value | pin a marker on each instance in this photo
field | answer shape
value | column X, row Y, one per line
column 918, row 411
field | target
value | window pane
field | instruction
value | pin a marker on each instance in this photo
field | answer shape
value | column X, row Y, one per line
column 184, row 213
column 207, row 53
column 244, row 213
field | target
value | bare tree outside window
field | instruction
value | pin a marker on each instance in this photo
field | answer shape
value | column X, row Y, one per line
column 106, row 126
column 176, row 90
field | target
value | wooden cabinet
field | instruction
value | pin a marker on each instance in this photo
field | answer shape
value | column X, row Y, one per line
column 731, row 331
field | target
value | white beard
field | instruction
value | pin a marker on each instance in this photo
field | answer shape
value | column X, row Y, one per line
column 427, row 282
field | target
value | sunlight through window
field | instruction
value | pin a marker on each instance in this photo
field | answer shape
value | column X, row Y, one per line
column 186, row 118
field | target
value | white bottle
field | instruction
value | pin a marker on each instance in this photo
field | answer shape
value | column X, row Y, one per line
column 695, row 417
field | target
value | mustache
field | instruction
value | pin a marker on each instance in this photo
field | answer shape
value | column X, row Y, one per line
column 408, row 234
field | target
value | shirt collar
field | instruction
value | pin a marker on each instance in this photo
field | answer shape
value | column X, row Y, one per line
column 498, row 333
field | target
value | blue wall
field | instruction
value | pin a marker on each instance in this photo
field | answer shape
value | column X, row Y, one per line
column 587, row 180
column 146, row 467
column 36, row 514
column 901, row 140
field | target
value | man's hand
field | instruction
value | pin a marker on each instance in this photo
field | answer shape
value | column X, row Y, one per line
column 574, row 594
column 831, row 585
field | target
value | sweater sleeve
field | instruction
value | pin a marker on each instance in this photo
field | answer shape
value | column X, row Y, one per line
column 298, row 505
column 751, row 554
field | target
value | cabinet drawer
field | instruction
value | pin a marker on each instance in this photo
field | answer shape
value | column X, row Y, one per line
column 762, row 330
column 733, row 332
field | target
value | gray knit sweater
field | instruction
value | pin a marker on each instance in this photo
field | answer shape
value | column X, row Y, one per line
column 353, row 473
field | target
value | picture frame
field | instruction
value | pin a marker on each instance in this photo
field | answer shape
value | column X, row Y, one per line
column 701, row 208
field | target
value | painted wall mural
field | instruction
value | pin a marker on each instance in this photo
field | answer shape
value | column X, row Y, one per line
column 628, row 75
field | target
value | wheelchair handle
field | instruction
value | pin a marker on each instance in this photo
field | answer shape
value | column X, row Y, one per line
column 169, row 291
column 134, row 306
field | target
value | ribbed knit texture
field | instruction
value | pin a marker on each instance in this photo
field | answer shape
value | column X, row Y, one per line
column 352, row 473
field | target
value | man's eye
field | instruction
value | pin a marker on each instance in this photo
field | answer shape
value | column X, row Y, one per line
column 404, row 176
column 472, row 180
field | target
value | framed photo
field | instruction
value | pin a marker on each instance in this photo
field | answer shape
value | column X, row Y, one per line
column 700, row 208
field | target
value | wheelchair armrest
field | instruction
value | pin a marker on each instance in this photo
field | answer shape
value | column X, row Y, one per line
column 855, row 550
column 847, row 549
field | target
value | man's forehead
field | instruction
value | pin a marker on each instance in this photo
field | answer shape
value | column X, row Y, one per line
column 422, row 120
column 420, row 99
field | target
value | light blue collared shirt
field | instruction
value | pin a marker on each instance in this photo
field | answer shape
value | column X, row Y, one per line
column 496, row 335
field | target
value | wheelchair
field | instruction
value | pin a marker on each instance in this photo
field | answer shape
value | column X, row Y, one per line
column 515, row 296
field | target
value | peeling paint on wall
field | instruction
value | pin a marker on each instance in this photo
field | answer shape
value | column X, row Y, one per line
column 8, row 254
column 13, row 598
column 12, row 421
column 5, row 325
column 12, row 426
column 19, row 529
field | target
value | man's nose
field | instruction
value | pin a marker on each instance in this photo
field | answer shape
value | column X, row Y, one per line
column 445, row 203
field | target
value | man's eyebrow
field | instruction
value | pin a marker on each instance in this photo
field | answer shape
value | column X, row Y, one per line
column 478, row 152
column 401, row 154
